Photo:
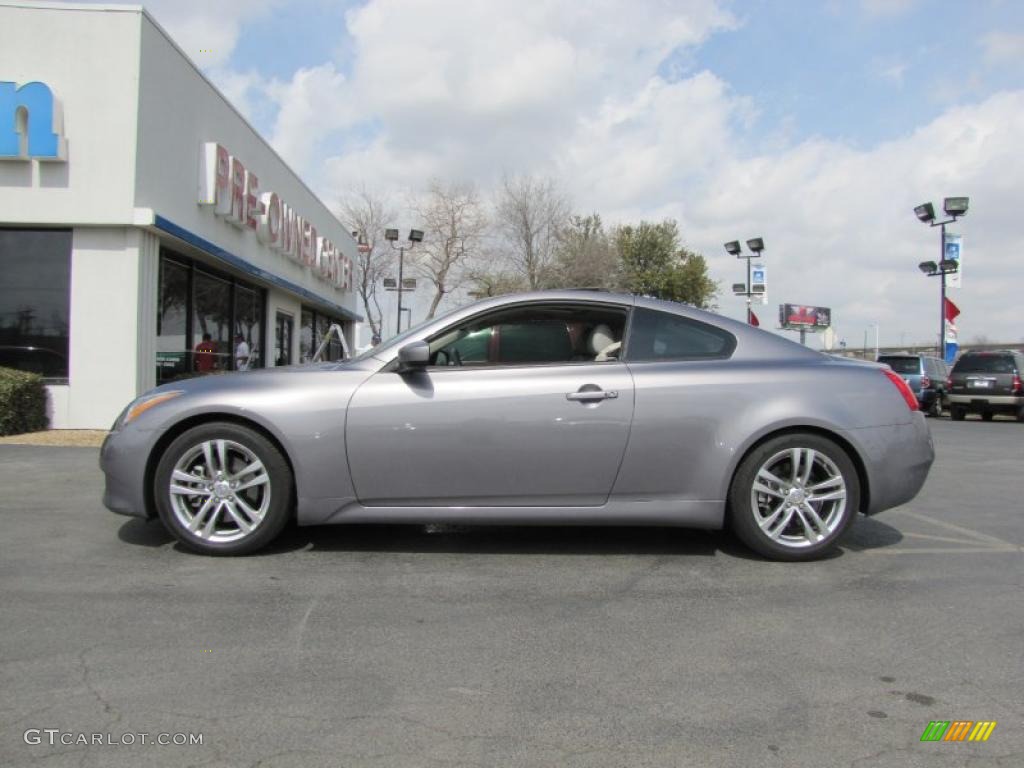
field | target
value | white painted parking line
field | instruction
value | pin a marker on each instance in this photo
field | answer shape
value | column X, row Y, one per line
column 971, row 542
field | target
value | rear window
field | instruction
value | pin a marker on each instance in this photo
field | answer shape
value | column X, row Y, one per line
column 985, row 364
column 902, row 364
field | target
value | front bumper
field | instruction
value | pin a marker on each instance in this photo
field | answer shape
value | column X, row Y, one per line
column 123, row 461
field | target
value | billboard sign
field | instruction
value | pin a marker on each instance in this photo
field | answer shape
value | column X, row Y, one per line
column 801, row 316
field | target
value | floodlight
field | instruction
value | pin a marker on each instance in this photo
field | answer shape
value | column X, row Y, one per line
column 928, row 267
column 733, row 248
column 949, row 265
column 955, row 206
column 739, row 287
column 415, row 236
column 391, row 234
column 925, row 212
column 756, row 244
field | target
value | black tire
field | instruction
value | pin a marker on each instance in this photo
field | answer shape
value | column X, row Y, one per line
column 987, row 415
column 226, row 536
column 1020, row 414
column 957, row 412
column 744, row 519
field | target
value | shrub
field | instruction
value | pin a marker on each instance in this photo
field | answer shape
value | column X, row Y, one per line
column 22, row 402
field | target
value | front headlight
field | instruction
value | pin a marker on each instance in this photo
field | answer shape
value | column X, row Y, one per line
column 143, row 404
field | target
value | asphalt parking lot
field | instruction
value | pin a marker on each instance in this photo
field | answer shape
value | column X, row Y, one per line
column 378, row 646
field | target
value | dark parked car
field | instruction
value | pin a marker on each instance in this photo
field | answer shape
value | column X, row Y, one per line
column 926, row 377
column 987, row 383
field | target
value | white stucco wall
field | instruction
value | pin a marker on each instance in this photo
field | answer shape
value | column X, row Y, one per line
column 89, row 58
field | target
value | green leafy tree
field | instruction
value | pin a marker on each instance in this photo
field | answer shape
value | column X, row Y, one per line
column 654, row 263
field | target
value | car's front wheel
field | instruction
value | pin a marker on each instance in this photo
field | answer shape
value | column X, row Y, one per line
column 223, row 489
column 957, row 412
column 794, row 496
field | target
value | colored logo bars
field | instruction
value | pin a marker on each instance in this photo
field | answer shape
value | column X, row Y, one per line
column 958, row 730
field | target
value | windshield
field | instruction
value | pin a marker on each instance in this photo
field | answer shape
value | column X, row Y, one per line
column 902, row 364
column 985, row 364
column 372, row 351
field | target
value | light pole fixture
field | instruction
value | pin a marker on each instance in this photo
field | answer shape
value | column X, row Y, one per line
column 733, row 248
column 954, row 208
column 391, row 235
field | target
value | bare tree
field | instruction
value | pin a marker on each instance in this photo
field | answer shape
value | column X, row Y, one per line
column 453, row 221
column 365, row 214
column 584, row 256
column 530, row 212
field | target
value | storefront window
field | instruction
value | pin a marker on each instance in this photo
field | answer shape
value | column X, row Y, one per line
column 172, row 359
column 206, row 323
column 35, row 289
column 211, row 324
column 248, row 328
column 307, row 336
column 314, row 328
column 283, row 339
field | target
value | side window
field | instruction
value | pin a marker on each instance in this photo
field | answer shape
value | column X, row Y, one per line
column 660, row 336
column 545, row 334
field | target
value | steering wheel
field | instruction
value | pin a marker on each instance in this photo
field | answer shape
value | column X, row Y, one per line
column 451, row 357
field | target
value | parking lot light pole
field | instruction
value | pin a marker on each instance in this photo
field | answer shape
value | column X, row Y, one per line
column 733, row 248
column 391, row 235
column 954, row 208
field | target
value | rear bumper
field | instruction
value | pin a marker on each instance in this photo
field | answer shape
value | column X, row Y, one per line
column 994, row 403
column 897, row 460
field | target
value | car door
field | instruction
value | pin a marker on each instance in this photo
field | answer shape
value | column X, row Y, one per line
column 514, row 410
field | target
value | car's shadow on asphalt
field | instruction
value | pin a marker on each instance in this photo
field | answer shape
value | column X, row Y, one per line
column 867, row 533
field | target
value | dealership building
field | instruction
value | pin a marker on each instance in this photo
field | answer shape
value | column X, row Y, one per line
column 147, row 232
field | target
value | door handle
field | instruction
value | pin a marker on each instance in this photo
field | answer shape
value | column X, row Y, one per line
column 592, row 394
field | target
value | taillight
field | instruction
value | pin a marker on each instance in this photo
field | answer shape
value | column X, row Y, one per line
column 925, row 382
column 1016, row 384
column 908, row 394
column 949, row 384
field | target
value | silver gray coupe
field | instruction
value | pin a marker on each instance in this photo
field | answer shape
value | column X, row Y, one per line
column 561, row 407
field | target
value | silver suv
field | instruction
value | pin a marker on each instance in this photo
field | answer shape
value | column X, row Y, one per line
column 987, row 383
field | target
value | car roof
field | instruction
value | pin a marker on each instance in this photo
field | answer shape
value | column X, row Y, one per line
column 752, row 343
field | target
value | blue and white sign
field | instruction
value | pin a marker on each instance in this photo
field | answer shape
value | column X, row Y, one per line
column 759, row 282
column 954, row 251
column 31, row 123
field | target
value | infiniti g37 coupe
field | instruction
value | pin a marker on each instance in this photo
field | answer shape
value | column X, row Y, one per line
column 557, row 407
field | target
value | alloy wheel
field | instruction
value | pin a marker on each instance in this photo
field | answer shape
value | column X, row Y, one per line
column 798, row 497
column 219, row 491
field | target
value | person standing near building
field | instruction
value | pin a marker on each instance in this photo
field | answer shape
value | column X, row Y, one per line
column 205, row 354
column 241, row 354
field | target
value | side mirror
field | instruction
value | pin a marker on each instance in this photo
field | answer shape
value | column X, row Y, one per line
column 413, row 356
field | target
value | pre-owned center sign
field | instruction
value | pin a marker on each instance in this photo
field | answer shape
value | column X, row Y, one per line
column 234, row 193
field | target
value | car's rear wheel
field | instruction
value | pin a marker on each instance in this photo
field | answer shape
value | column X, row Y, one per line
column 793, row 497
column 223, row 489
column 957, row 412
column 987, row 415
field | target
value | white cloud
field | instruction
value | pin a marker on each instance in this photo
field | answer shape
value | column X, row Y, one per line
column 1003, row 47
column 468, row 90
column 207, row 30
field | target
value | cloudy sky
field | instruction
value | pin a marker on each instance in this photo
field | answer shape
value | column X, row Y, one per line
column 817, row 124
